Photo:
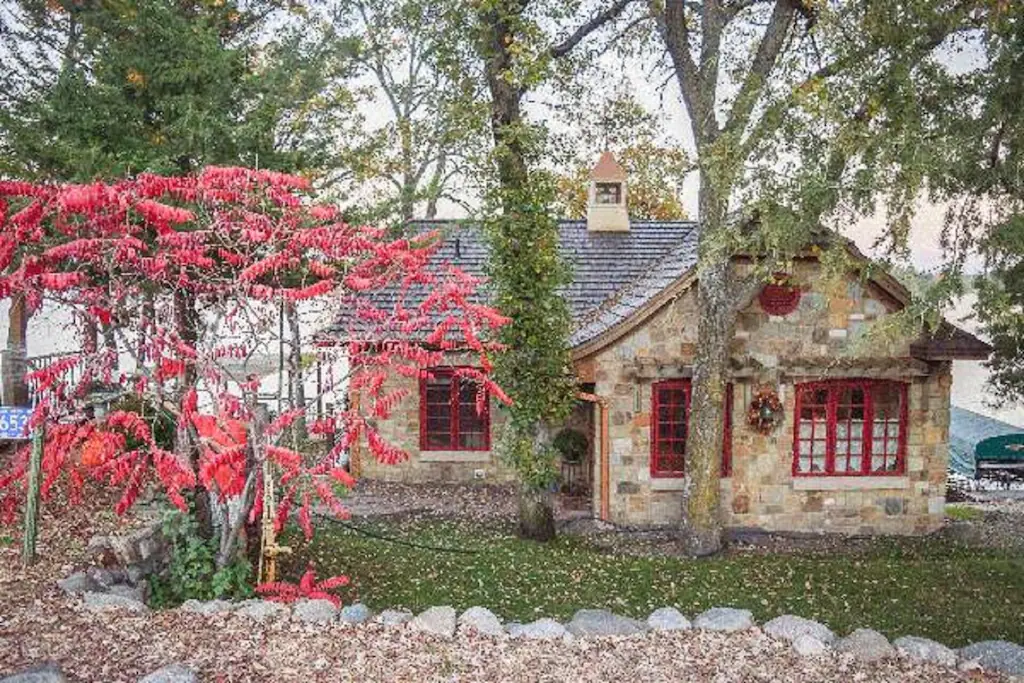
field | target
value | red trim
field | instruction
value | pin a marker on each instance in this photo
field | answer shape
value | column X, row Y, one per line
column 833, row 391
column 453, row 413
column 727, row 434
column 656, row 401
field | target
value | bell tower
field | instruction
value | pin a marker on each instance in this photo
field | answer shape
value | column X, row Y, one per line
column 606, row 197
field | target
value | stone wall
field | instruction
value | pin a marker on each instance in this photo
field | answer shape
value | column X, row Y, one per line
column 823, row 338
column 402, row 430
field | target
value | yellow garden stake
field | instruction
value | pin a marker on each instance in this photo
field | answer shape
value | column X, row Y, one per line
column 269, row 549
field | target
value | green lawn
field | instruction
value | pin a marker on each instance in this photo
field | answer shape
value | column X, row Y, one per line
column 927, row 587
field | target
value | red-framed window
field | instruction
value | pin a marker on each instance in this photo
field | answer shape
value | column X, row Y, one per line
column 670, row 426
column 850, row 428
column 454, row 412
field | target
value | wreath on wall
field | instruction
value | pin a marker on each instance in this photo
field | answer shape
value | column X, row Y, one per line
column 765, row 410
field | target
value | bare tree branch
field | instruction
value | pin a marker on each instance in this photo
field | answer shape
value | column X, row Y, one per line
column 672, row 23
column 596, row 22
column 768, row 51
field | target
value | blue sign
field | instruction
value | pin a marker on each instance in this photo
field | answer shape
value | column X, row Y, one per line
column 14, row 422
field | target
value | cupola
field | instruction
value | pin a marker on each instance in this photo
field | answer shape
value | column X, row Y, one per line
column 606, row 197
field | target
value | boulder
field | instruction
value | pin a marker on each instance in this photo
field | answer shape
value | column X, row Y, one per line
column 996, row 655
column 807, row 645
column 481, row 620
column 355, row 613
column 79, row 582
column 261, row 610
column 925, row 650
column 437, row 621
column 48, row 672
column 137, row 593
column 542, row 629
column 394, row 617
column 146, row 549
column 668, row 619
column 172, row 673
column 724, row 619
column 315, row 611
column 600, row 622
column 103, row 602
column 207, row 608
column 106, row 577
column 866, row 645
column 789, row 627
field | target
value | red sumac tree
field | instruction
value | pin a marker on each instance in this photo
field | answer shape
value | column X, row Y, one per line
column 187, row 275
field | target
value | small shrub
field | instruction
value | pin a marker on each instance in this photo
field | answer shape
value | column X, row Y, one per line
column 192, row 573
column 307, row 588
column 572, row 445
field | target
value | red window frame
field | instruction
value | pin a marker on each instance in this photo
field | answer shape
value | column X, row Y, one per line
column 686, row 387
column 833, row 391
column 454, row 414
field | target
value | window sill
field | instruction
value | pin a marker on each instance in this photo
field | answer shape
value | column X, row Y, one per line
column 839, row 483
column 455, row 456
column 668, row 483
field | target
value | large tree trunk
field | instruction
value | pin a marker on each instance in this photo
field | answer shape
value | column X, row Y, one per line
column 717, row 305
column 707, row 404
column 536, row 514
column 536, row 509
column 15, row 361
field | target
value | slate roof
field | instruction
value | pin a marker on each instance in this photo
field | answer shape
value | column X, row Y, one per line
column 614, row 273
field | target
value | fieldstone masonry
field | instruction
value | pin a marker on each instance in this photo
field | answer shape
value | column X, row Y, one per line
column 805, row 345
column 824, row 338
column 402, row 429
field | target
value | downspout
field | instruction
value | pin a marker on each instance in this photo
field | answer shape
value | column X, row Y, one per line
column 602, row 405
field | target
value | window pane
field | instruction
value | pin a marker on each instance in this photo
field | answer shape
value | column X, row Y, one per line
column 438, row 440
column 608, row 193
column 671, row 429
column 887, row 409
column 451, row 417
column 812, row 430
column 438, row 411
column 472, row 441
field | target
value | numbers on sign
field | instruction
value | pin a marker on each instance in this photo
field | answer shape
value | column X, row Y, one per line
column 13, row 422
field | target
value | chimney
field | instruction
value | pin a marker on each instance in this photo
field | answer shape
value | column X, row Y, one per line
column 606, row 198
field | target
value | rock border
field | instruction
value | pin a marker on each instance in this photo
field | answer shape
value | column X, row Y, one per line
column 805, row 637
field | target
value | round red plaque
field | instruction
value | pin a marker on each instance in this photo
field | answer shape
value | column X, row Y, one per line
column 779, row 298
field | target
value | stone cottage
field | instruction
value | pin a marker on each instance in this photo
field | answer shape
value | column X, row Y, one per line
column 825, row 430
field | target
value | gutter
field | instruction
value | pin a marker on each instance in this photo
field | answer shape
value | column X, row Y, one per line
column 602, row 405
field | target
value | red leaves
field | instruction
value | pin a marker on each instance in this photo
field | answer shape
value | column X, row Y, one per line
column 285, row 457
column 233, row 244
column 169, row 369
column 307, row 588
column 162, row 214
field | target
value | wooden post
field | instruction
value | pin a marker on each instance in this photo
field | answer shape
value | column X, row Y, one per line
column 28, row 553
